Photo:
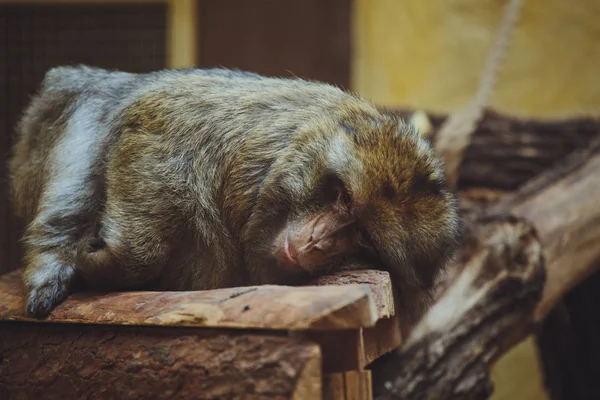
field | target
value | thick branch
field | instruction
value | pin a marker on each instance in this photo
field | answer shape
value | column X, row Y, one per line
column 505, row 152
column 497, row 292
column 498, row 282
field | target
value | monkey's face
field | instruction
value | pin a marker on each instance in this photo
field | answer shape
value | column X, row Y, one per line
column 322, row 231
column 366, row 190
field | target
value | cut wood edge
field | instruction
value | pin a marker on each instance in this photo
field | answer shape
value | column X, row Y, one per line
column 354, row 349
column 362, row 312
column 378, row 281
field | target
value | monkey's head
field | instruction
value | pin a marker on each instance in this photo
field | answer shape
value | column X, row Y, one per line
column 364, row 188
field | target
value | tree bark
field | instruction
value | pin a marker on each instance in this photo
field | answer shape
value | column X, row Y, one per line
column 52, row 361
column 506, row 151
column 485, row 308
column 518, row 260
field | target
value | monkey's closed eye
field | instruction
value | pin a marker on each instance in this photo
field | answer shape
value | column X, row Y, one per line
column 336, row 192
column 346, row 197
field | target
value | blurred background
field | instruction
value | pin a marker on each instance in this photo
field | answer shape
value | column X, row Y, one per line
column 409, row 54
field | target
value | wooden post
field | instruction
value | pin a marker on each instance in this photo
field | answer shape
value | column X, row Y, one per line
column 182, row 33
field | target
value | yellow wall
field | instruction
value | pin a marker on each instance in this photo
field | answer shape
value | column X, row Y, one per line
column 518, row 375
column 429, row 54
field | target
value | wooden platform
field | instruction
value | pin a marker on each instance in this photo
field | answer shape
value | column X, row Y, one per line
column 282, row 342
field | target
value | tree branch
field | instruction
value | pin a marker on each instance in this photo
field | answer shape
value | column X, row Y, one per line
column 518, row 259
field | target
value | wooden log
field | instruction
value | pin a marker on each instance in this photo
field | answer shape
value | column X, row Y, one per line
column 53, row 361
column 499, row 289
column 507, row 151
column 485, row 309
column 566, row 215
column 349, row 300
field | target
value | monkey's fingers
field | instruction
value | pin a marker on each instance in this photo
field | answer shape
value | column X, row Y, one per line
column 47, row 288
column 44, row 299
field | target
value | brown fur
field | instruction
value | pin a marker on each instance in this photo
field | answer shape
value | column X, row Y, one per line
column 186, row 180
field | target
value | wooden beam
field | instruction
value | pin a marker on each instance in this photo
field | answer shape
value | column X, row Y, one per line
column 355, row 349
column 182, row 34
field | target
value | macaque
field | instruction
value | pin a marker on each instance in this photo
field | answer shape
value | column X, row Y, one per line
column 209, row 178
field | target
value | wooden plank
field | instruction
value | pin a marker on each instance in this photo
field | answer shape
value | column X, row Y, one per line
column 53, row 361
column 334, row 387
column 342, row 350
column 260, row 307
column 310, row 380
column 349, row 385
column 358, row 385
column 355, row 349
column 384, row 337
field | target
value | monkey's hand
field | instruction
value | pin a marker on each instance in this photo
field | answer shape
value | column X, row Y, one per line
column 48, row 278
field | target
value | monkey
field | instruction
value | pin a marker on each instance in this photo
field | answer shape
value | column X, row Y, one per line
column 198, row 179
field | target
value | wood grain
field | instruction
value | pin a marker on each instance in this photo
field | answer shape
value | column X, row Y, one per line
column 378, row 281
column 350, row 300
column 350, row 385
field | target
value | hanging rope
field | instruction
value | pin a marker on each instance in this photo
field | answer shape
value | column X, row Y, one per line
column 455, row 134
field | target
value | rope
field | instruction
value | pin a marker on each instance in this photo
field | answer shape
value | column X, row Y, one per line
column 455, row 134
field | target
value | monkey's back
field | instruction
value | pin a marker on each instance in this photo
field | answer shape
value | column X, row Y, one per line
column 79, row 113
column 194, row 146
column 185, row 147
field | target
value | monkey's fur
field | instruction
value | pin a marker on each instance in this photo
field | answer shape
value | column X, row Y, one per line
column 202, row 179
